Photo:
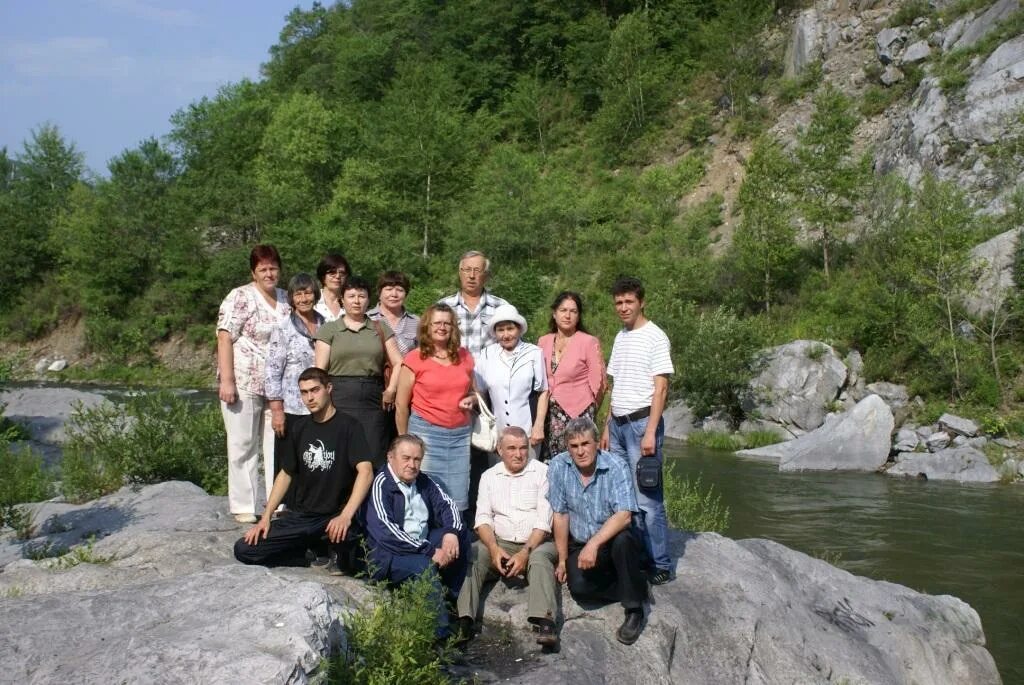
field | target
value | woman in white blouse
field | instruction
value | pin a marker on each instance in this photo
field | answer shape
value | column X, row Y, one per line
column 247, row 317
column 511, row 373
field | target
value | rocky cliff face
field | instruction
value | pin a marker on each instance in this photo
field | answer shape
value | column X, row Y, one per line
column 155, row 597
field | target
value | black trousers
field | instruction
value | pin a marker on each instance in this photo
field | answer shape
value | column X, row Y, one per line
column 619, row 573
column 289, row 538
column 360, row 398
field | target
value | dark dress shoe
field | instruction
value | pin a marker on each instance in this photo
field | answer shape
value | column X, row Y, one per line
column 547, row 637
column 630, row 629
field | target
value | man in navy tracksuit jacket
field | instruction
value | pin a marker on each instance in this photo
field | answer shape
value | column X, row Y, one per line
column 413, row 525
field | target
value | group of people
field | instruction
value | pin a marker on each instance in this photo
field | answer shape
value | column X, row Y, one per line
column 363, row 418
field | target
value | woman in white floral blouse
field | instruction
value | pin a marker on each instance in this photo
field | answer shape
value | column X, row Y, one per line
column 247, row 317
column 290, row 353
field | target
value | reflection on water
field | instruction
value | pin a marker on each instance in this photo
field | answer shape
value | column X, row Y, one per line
column 939, row 538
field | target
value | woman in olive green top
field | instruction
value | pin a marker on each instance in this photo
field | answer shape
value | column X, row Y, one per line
column 354, row 351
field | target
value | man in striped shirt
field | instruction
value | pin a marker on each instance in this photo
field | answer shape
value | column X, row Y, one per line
column 640, row 366
column 513, row 522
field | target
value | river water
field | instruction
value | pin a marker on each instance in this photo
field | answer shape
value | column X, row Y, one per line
column 939, row 538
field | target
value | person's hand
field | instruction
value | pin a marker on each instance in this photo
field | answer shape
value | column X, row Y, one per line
column 467, row 403
column 537, row 435
column 498, row 557
column 588, row 556
column 440, row 558
column 226, row 391
column 388, row 399
column 450, row 544
column 517, row 564
column 603, row 443
column 337, row 528
column 647, row 445
column 260, row 530
column 560, row 571
column 277, row 422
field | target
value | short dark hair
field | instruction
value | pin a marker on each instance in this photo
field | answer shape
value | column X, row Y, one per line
column 264, row 253
column 331, row 260
column 392, row 278
column 302, row 282
column 561, row 297
column 315, row 373
column 628, row 284
column 355, row 283
column 411, row 439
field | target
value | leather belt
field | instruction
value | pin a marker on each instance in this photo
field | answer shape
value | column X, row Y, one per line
column 632, row 416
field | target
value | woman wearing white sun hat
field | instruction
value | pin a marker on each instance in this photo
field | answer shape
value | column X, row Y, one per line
column 510, row 372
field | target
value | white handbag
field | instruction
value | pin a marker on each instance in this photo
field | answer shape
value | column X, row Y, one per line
column 485, row 427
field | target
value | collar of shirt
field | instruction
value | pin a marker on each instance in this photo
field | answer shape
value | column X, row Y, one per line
column 530, row 467
column 486, row 300
column 408, row 489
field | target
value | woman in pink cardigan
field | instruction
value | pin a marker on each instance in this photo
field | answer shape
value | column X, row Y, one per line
column 575, row 368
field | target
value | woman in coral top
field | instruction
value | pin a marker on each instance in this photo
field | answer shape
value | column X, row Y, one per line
column 575, row 368
column 435, row 397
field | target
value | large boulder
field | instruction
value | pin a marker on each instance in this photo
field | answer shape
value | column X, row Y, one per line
column 805, row 43
column 994, row 261
column 857, row 440
column 796, row 385
column 679, row 420
column 753, row 611
column 158, row 599
column 975, row 28
column 961, row 464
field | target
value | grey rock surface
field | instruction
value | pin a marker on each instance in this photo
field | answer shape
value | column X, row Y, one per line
column 959, row 425
column 976, row 28
column 45, row 410
column 916, row 52
column 961, row 464
column 796, row 384
column 888, row 42
column 804, row 44
column 938, row 441
column 58, row 365
column 171, row 606
column 907, row 440
column 893, row 394
column 679, row 420
column 994, row 261
column 736, row 615
column 891, row 76
column 858, row 440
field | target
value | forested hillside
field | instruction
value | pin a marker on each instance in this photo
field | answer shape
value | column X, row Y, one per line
column 565, row 139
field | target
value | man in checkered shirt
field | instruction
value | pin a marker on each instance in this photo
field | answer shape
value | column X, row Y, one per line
column 474, row 304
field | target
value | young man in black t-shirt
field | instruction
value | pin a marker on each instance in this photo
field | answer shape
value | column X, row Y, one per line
column 326, row 469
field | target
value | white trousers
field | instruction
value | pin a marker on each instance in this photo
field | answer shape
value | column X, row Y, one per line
column 247, row 424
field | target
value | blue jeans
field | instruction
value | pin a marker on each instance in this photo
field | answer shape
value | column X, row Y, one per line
column 652, row 523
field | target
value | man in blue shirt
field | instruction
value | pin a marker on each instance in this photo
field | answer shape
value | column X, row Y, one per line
column 593, row 500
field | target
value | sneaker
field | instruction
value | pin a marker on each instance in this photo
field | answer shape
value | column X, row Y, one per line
column 316, row 560
column 332, row 567
column 659, row 577
column 630, row 629
column 245, row 518
column 547, row 637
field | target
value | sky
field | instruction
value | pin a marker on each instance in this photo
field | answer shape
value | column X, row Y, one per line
column 110, row 73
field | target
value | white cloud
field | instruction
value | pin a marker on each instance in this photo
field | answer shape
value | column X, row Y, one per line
column 152, row 12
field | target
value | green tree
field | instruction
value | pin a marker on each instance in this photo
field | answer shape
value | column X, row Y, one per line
column 765, row 241
column 297, row 161
column 829, row 180
column 730, row 50
column 38, row 187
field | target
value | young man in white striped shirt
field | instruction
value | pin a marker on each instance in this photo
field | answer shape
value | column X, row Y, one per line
column 640, row 366
column 513, row 522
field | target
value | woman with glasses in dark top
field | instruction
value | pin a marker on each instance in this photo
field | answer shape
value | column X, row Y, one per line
column 332, row 272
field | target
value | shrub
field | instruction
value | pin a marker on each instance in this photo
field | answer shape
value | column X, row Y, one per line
column 25, row 479
column 715, row 440
column 151, row 438
column 690, row 507
column 391, row 638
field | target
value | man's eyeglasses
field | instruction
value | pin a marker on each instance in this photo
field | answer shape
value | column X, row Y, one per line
column 471, row 270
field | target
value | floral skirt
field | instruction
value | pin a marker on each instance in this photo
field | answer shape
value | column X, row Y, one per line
column 554, row 427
